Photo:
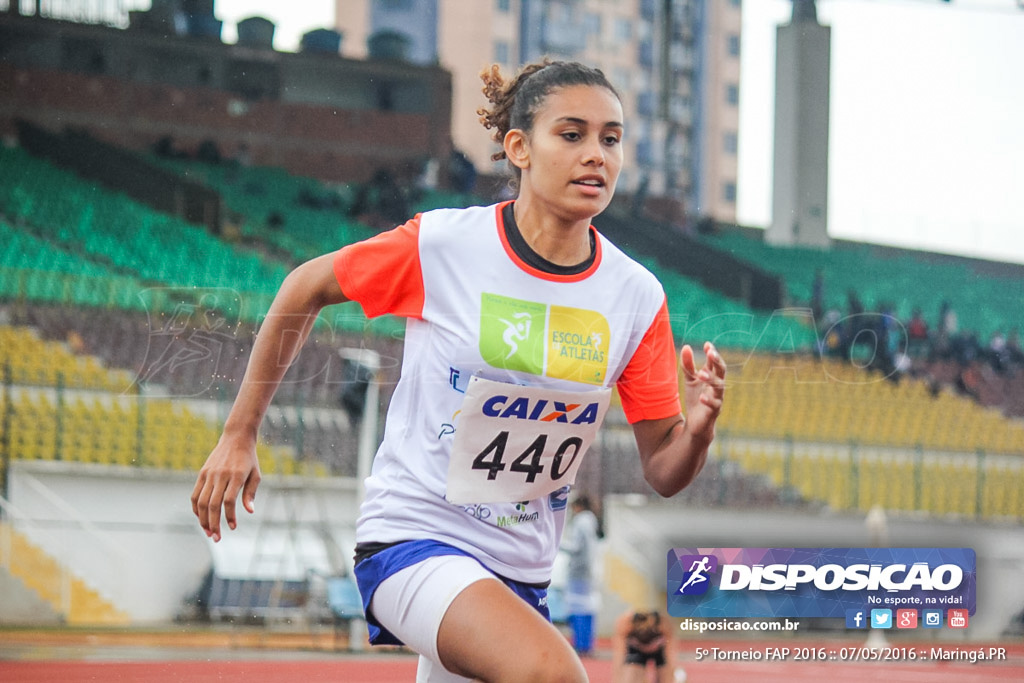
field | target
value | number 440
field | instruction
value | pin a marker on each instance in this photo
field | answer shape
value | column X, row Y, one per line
column 492, row 458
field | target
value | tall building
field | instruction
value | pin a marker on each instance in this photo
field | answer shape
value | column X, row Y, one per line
column 714, row 137
column 675, row 64
column 800, row 175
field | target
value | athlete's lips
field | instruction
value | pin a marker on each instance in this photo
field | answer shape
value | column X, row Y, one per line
column 592, row 180
column 591, row 185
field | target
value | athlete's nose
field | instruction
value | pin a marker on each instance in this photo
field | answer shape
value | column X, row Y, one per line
column 593, row 154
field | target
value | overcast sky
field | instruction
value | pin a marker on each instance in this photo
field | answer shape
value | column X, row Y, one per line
column 927, row 116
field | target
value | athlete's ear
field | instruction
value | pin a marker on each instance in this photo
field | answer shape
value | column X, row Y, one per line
column 517, row 148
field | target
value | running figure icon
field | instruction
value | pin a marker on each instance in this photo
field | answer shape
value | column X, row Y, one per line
column 697, row 571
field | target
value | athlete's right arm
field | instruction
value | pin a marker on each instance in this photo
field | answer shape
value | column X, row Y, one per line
column 232, row 468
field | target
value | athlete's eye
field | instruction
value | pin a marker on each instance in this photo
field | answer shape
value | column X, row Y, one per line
column 612, row 140
column 571, row 136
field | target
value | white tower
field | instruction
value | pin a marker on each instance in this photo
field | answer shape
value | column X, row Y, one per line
column 800, row 195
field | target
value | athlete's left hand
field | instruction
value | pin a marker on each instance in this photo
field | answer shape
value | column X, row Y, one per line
column 704, row 390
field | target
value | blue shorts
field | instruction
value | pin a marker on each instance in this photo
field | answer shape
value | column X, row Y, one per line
column 372, row 570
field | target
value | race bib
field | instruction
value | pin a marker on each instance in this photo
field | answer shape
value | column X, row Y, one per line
column 515, row 443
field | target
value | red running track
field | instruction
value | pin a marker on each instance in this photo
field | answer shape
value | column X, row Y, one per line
column 402, row 669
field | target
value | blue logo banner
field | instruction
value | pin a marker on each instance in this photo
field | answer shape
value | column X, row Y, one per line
column 818, row 582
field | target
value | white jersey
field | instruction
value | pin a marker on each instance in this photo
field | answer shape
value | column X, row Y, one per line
column 474, row 309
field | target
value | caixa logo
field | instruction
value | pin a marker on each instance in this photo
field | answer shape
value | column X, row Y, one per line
column 696, row 579
column 541, row 410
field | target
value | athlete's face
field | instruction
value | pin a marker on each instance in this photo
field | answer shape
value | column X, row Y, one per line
column 571, row 159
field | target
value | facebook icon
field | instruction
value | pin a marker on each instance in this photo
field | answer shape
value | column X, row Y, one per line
column 856, row 618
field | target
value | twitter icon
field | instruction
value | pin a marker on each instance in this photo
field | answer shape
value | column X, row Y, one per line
column 881, row 618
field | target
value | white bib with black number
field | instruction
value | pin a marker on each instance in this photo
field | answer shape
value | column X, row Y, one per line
column 515, row 443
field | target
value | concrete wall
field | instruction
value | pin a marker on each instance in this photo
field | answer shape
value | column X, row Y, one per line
column 131, row 535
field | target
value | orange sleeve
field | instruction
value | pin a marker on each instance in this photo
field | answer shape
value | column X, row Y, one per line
column 383, row 273
column 649, row 386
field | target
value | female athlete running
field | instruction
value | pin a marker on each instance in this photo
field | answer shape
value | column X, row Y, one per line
column 520, row 319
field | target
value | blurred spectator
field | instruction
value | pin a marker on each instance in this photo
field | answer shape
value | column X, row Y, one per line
column 818, row 294
column 968, row 382
column 917, row 335
column 76, row 344
column 322, row 201
column 429, row 176
column 242, row 156
column 208, row 152
column 830, row 333
column 947, row 320
column 998, row 353
column 643, row 649
column 903, row 364
column 166, row 148
column 580, row 542
column 964, row 347
column 381, row 202
column 275, row 220
column 852, row 325
column 461, row 172
column 240, row 161
column 1013, row 348
column 889, row 339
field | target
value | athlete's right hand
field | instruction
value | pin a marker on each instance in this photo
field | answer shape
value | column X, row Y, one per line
column 231, row 468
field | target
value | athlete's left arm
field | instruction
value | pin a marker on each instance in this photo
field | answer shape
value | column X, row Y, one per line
column 673, row 449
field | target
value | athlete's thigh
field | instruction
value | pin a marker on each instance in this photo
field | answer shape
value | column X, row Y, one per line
column 492, row 634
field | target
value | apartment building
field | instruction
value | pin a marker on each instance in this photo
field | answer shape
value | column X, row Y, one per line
column 675, row 64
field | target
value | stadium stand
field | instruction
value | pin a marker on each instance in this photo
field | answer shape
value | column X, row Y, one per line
column 126, row 236
column 158, row 355
column 256, row 195
column 33, row 361
column 204, row 359
column 829, row 432
column 115, row 429
column 298, row 217
column 985, row 299
column 806, row 399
